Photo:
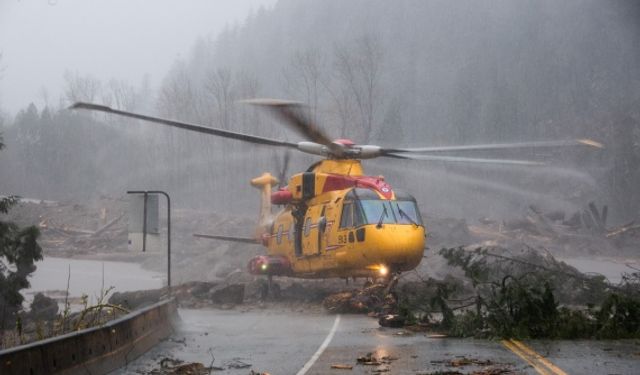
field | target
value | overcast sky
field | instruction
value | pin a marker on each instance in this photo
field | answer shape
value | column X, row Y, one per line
column 123, row 39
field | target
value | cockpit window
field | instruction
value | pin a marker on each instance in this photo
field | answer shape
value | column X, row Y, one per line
column 378, row 212
column 390, row 212
column 407, row 212
column 346, row 221
column 364, row 206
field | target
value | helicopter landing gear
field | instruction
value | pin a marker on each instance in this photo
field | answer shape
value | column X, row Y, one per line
column 392, row 282
column 270, row 289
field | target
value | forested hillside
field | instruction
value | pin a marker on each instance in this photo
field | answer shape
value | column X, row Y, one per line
column 397, row 73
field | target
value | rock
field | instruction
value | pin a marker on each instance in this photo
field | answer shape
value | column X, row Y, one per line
column 257, row 290
column 307, row 293
column 137, row 299
column 229, row 294
column 392, row 321
column 200, row 289
column 43, row 307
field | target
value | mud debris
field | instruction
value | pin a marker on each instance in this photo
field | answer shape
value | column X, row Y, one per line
column 342, row 367
column 370, row 359
column 392, row 321
column 464, row 361
column 371, row 299
column 172, row 366
column 236, row 363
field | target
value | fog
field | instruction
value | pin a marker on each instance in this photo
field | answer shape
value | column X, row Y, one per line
column 121, row 39
column 403, row 73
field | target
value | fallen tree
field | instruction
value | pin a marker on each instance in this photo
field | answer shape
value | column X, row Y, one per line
column 519, row 297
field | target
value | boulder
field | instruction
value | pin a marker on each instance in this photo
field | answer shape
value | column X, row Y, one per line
column 43, row 308
column 227, row 294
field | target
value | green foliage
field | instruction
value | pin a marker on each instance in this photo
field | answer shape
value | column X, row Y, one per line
column 618, row 317
column 524, row 305
column 468, row 323
column 18, row 252
column 521, row 308
column 7, row 202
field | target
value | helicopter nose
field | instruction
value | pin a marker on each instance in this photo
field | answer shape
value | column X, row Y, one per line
column 398, row 247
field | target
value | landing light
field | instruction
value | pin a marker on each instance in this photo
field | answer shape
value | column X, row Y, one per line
column 264, row 267
column 383, row 271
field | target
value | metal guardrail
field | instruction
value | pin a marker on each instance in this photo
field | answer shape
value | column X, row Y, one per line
column 96, row 350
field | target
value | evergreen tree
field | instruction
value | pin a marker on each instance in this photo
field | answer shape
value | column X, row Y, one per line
column 18, row 252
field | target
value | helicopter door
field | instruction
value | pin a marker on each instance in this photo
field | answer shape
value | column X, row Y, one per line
column 322, row 228
column 346, row 237
column 311, row 232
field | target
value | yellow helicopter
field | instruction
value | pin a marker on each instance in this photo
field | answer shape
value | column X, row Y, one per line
column 336, row 221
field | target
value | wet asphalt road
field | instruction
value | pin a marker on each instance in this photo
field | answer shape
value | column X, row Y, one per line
column 286, row 342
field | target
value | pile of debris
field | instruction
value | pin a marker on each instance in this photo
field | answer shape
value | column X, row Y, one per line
column 585, row 232
column 372, row 299
column 500, row 293
column 192, row 294
column 173, row 366
column 228, row 294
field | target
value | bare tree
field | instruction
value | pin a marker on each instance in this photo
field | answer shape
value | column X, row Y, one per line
column 80, row 88
column 218, row 85
column 359, row 69
column 248, row 86
column 178, row 96
column 341, row 108
column 121, row 94
column 305, row 78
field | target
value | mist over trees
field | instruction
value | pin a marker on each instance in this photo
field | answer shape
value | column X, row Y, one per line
column 402, row 73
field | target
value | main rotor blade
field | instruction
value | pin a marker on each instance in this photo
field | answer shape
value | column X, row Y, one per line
column 458, row 159
column 498, row 146
column 285, row 168
column 227, row 238
column 292, row 114
column 186, row 126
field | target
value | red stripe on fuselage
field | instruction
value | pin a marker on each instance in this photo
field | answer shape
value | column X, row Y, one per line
column 340, row 182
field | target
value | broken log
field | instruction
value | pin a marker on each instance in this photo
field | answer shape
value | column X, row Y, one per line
column 623, row 229
column 107, row 226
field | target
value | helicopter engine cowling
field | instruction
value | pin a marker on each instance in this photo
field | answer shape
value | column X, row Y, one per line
column 369, row 151
column 312, row 148
column 276, row 265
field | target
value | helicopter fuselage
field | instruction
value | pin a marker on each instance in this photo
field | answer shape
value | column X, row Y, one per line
column 337, row 222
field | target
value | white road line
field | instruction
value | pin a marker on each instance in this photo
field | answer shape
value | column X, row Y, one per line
column 322, row 347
